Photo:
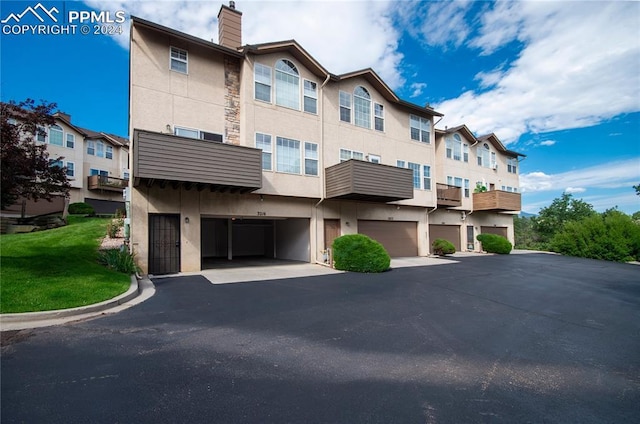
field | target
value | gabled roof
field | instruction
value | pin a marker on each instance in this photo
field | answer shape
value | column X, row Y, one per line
column 463, row 129
column 293, row 48
column 87, row 133
column 493, row 139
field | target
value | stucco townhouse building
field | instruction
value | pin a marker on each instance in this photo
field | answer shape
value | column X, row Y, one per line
column 258, row 150
column 97, row 167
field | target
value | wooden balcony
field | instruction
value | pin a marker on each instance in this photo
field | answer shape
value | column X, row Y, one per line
column 103, row 182
column 165, row 159
column 448, row 196
column 496, row 200
column 372, row 182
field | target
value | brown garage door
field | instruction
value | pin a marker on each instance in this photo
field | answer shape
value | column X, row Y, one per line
column 501, row 231
column 398, row 237
column 448, row 232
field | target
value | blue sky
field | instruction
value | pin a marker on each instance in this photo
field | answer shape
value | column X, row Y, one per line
column 557, row 81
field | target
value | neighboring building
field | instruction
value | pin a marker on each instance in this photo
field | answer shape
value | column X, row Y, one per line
column 97, row 168
column 260, row 151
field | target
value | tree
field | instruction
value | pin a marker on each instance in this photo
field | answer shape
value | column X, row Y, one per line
column 27, row 170
column 554, row 217
column 637, row 188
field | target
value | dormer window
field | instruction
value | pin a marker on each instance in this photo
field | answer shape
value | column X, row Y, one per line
column 455, row 149
column 287, row 84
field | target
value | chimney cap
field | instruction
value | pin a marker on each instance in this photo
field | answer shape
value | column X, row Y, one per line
column 232, row 4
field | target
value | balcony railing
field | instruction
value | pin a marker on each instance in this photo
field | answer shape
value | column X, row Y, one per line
column 448, row 195
column 103, row 182
column 496, row 200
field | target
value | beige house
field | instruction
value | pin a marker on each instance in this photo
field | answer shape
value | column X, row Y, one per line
column 241, row 151
column 97, row 168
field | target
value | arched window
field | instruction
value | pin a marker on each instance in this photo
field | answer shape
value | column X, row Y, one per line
column 362, row 107
column 287, row 84
column 55, row 135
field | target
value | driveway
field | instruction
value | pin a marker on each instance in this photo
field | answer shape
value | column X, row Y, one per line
column 498, row 339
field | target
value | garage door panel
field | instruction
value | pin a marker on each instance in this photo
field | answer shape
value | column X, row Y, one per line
column 399, row 238
column 501, row 231
column 450, row 233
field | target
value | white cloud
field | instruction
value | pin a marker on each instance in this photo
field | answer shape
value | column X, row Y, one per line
column 547, row 143
column 573, row 190
column 568, row 74
column 342, row 36
column 437, row 24
column 607, row 175
column 417, row 88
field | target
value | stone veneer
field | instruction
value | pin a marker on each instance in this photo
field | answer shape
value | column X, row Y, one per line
column 232, row 100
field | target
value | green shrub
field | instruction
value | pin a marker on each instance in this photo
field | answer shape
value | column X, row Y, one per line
column 359, row 253
column 442, row 247
column 81, row 209
column 119, row 260
column 493, row 243
column 611, row 236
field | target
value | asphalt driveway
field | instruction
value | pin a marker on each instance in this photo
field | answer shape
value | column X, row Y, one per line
column 499, row 339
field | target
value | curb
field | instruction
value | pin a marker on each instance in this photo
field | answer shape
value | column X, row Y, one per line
column 45, row 318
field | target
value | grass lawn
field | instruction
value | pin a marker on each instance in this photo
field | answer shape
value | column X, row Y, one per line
column 56, row 269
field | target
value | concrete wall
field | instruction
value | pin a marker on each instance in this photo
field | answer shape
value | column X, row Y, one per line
column 292, row 239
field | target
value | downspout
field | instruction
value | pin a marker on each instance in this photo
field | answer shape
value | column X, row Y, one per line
column 321, row 167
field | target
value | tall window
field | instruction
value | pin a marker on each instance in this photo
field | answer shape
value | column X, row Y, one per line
column 415, row 167
column 454, row 181
column 55, row 135
column 287, row 85
column 71, row 169
column 362, row 107
column 91, row 147
column 287, row 155
column 420, row 129
column 512, row 165
column 346, row 154
column 310, row 158
column 109, row 152
column 484, row 155
column 41, row 134
column 378, row 110
column 345, row 106
column 465, row 152
column 494, row 162
column 178, row 60
column 310, row 96
column 466, row 188
column 454, row 148
column 71, row 141
column 100, row 149
column 263, row 142
column 426, row 177
column 262, row 78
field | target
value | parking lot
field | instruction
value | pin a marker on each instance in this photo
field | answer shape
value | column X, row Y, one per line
column 480, row 338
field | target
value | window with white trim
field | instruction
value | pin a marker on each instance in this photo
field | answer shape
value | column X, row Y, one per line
column 71, row 141
column 310, row 96
column 346, row 154
column 426, row 177
column 420, row 129
column 263, row 142
column 373, row 158
column 109, row 152
column 421, row 174
column 494, row 162
column 287, row 155
column 310, row 158
column 262, row 82
column 56, row 163
column 361, row 107
column 178, row 60
column 455, row 149
column 510, row 189
column 41, row 134
column 99, row 149
column 196, row 133
column 287, row 84
column 345, row 106
column 100, row 172
column 467, row 188
column 484, row 155
column 454, row 181
column 512, row 165
column 91, row 147
column 465, row 152
column 378, row 112
column 71, row 169
column 55, row 135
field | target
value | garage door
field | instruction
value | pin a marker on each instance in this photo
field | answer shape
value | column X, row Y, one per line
column 501, row 231
column 398, row 237
column 450, row 233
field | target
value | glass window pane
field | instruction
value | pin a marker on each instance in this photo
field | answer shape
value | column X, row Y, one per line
column 287, row 155
column 55, row 135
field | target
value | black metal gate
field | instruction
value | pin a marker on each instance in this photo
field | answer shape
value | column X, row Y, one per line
column 164, row 244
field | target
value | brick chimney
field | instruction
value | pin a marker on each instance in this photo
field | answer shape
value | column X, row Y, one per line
column 230, row 26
